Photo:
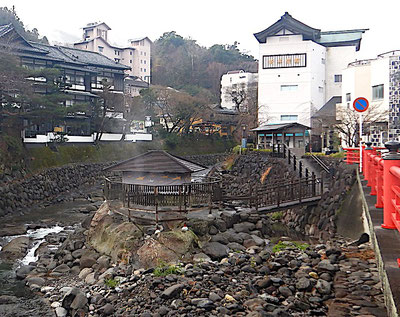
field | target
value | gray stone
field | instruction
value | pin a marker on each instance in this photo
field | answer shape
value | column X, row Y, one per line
column 326, row 266
column 63, row 268
column 61, row 312
column 23, row 271
column 234, row 246
column 85, row 272
column 244, row 227
column 172, row 291
column 214, row 297
column 79, row 301
column 36, row 280
column 201, row 257
column 87, row 261
column 216, row 250
column 323, row 287
column 107, row 309
column 303, row 284
column 285, row 291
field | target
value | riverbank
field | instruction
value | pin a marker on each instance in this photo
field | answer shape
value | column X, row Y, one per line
column 235, row 267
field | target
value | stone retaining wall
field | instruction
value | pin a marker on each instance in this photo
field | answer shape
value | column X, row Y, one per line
column 207, row 159
column 44, row 186
column 320, row 221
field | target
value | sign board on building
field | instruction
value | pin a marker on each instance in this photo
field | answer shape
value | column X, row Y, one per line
column 360, row 104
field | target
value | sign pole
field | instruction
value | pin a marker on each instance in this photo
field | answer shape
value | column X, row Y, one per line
column 360, row 105
column 361, row 127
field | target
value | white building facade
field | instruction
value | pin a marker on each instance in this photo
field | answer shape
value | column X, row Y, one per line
column 136, row 54
column 237, row 81
column 300, row 69
column 375, row 80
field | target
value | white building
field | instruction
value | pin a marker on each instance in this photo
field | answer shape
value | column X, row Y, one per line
column 374, row 80
column 136, row 54
column 300, row 69
column 237, row 82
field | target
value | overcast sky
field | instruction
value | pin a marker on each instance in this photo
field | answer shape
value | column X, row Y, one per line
column 212, row 21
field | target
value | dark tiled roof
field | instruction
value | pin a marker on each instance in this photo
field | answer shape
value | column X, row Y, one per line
column 157, row 162
column 328, row 109
column 91, row 58
column 4, row 29
column 279, row 126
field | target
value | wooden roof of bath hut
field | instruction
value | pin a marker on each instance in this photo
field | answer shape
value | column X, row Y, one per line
column 157, row 161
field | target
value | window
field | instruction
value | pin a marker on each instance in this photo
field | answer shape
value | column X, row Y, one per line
column 141, row 61
column 130, row 52
column 289, row 117
column 144, row 61
column 322, row 60
column 130, row 61
column 141, row 53
column 284, row 61
column 348, row 97
column 338, row 78
column 377, row 92
column 144, row 53
column 117, row 60
column 144, row 69
column 321, row 89
column 289, row 87
column 141, row 69
column 100, row 48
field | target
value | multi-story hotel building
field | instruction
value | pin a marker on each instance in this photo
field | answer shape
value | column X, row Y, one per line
column 300, row 69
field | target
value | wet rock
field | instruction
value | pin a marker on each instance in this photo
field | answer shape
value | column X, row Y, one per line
column 323, row 287
column 63, row 268
column 23, row 271
column 15, row 249
column 244, row 227
column 107, row 309
column 36, row 281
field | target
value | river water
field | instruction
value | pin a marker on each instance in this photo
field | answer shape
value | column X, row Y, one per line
column 16, row 300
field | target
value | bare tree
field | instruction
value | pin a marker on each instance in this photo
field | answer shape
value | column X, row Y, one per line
column 347, row 122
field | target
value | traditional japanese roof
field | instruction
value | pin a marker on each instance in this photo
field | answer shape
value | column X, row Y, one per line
column 139, row 39
column 289, row 25
column 280, row 127
column 157, row 162
column 16, row 41
column 329, row 109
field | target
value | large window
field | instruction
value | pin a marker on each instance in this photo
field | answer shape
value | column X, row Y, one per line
column 100, row 48
column 377, row 92
column 285, row 61
column 289, row 87
column 289, row 117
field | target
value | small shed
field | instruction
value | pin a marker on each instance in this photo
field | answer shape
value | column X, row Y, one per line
column 294, row 135
column 156, row 168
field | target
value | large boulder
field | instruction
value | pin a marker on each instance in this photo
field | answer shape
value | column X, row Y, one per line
column 15, row 249
column 152, row 252
column 216, row 250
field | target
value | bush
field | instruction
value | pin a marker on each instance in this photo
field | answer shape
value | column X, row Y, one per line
column 164, row 269
column 111, row 283
column 282, row 245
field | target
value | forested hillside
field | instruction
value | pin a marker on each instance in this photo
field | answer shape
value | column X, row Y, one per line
column 183, row 64
column 10, row 16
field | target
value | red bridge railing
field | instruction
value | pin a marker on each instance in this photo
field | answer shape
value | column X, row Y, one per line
column 352, row 155
column 382, row 171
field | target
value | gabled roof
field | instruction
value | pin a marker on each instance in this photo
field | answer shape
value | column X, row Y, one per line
column 329, row 109
column 139, row 39
column 157, row 162
column 286, row 22
column 92, row 25
column 280, row 126
column 16, row 40
column 326, row 38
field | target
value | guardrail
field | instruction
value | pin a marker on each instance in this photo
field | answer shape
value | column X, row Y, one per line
column 352, row 155
column 382, row 171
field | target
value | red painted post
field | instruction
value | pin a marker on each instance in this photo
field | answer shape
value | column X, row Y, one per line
column 379, row 183
column 372, row 174
column 390, row 159
column 366, row 161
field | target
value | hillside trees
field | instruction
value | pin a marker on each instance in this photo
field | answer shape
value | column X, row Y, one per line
column 10, row 16
column 183, row 64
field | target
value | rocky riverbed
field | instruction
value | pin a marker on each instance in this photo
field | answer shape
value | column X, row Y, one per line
column 233, row 268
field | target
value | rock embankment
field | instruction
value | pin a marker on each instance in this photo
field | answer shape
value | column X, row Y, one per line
column 252, row 170
column 229, row 267
column 320, row 221
column 45, row 186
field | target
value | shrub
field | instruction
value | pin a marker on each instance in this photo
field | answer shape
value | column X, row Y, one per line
column 111, row 283
column 282, row 245
column 164, row 269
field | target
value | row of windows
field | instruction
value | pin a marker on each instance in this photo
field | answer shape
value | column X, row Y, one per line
column 142, row 61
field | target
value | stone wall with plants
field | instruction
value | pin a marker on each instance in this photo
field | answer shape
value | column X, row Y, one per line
column 320, row 221
column 22, row 193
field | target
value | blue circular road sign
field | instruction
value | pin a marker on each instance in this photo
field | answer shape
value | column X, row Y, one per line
column 361, row 104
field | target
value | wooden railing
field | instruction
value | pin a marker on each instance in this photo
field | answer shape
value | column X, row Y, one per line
column 281, row 150
column 182, row 197
column 297, row 191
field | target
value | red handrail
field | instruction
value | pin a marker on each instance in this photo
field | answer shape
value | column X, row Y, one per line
column 352, row 155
